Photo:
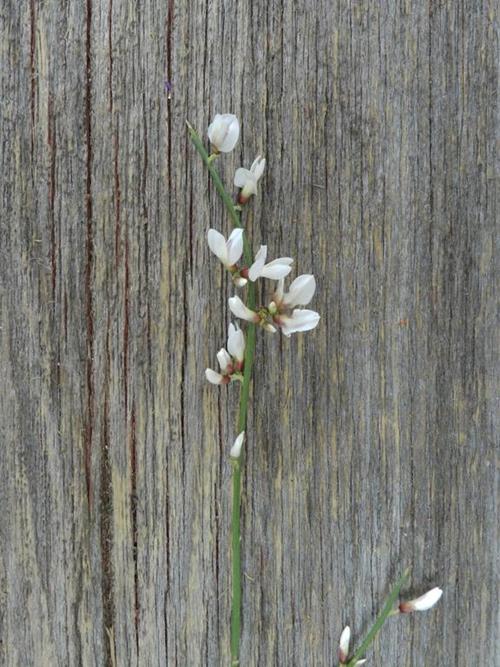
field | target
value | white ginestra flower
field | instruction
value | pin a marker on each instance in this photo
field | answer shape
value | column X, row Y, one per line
column 223, row 132
column 247, row 179
column 235, row 452
column 238, row 308
column 422, row 603
column 300, row 292
column 230, row 251
column 345, row 638
column 278, row 268
column 236, row 343
column 299, row 320
column 226, row 367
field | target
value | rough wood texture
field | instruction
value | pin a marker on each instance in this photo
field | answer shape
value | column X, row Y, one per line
column 371, row 440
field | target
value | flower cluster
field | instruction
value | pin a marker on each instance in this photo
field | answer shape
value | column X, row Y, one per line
column 282, row 312
column 285, row 309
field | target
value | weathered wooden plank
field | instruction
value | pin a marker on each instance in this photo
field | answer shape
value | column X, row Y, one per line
column 371, row 440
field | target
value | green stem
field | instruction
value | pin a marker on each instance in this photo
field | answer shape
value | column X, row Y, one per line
column 243, row 406
column 381, row 619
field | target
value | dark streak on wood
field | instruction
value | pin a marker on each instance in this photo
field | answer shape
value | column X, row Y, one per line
column 51, row 141
column 89, row 243
column 106, row 521
column 133, row 505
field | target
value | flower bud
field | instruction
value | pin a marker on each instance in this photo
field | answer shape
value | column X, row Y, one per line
column 422, row 603
column 235, row 452
column 345, row 638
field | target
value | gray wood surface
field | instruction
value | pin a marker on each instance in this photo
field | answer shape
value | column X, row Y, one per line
column 371, row 440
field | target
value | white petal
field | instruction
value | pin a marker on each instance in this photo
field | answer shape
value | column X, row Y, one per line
column 238, row 308
column 216, row 129
column 301, row 291
column 258, row 167
column 345, row 638
column 278, row 295
column 234, row 246
column 213, row 377
column 236, row 343
column 360, row 662
column 301, row 320
column 422, row 603
column 224, row 359
column 217, row 244
column 235, row 452
column 232, row 134
column 242, row 177
column 256, row 268
column 278, row 268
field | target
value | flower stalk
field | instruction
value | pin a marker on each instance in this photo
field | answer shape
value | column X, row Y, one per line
column 243, row 406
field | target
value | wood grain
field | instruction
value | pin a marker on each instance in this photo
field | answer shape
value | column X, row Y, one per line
column 371, row 444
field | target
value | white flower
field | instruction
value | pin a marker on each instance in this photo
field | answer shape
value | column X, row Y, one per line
column 300, row 292
column 345, row 638
column 223, row 132
column 238, row 308
column 247, row 179
column 230, row 251
column 278, row 268
column 299, row 320
column 235, row 452
column 424, row 602
column 226, row 367
column 236, row 343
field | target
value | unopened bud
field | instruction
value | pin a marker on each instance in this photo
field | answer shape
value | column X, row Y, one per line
column 345, row 638
column 422, row 603
column 235, row 452
column 272, row 308
column 238, row 280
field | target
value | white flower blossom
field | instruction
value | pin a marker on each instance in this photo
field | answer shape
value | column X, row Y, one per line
column 236, row 343
column 230, row 251
column 299, row 320
column 223, row 132
column 226, row 367
column 422, row 603
column 235, row 452
column 238, row 308
column 345, row 638
column 247, row 179
column 278, row 268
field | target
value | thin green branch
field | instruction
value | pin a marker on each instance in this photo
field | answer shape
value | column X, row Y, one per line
column 381, row 619
column 208, row 160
